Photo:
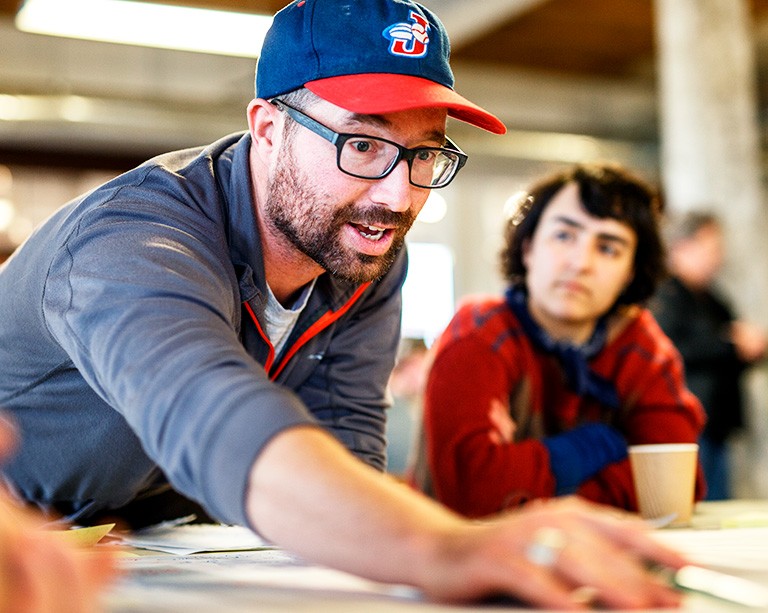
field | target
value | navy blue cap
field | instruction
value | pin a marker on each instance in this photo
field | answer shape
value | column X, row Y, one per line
column 366, row 56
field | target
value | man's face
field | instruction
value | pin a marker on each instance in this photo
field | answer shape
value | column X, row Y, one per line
column 577, row 265
column 350, row 227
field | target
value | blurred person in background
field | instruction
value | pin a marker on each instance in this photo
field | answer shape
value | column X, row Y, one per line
column 539, row 392
column 716, row 346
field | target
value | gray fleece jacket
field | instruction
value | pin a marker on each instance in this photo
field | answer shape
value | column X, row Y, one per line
column 131, row 346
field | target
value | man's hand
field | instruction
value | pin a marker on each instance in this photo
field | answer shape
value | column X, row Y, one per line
column 564, row 554
column 310, row 495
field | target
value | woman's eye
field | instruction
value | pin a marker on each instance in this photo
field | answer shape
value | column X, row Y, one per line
column 609, row 249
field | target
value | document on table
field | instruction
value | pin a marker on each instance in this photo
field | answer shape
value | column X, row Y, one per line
column 195, row 538
column 735, row 549
column 246, row 581
column 738, row 557
column 280, row 581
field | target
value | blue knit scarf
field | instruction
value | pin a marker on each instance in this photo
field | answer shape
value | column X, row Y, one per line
column 580, row 378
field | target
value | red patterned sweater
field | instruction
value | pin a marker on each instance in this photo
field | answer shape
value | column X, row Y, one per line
column 491, row 396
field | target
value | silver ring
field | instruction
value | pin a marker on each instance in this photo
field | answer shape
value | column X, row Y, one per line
column 546, row 546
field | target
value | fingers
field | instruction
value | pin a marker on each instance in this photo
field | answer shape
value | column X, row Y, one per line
column 614, row 575
column 631, row 534
column 575, row 555
column 40, row 573
column 39, row 584
column 51, row 577
column 100, row 566
column 543, row 587
column 490, row 561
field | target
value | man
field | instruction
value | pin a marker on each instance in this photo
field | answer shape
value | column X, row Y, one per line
column 227, row 318
column 716, row 346
column 538, row 393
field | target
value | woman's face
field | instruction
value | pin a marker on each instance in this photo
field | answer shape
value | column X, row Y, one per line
column 577, row 265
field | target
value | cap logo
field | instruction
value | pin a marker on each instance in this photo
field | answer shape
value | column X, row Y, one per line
column 408, row 39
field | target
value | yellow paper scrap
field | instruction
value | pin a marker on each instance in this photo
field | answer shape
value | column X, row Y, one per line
column 85, row 537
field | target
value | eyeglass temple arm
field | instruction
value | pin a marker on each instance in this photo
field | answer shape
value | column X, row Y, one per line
column 306, row 121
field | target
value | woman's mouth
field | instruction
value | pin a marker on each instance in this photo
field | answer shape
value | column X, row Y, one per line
column 573, row 287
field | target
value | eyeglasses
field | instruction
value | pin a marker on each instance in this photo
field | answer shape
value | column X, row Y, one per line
column 370, row 157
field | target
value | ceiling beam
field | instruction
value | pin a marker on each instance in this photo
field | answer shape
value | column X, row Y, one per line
column 467, row 20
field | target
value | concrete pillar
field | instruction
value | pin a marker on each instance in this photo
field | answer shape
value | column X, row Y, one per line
column 710, row 154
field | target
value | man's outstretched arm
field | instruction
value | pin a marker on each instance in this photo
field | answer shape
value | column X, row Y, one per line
column 309, row 495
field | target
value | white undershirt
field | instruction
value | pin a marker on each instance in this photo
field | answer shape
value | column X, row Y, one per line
column 279, row 320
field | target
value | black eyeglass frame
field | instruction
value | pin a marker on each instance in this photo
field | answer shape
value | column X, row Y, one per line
column 339, row 139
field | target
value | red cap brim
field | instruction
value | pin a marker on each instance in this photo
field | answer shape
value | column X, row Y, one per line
column 380, row 93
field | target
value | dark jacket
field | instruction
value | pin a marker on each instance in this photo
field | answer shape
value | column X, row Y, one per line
column 697, row 323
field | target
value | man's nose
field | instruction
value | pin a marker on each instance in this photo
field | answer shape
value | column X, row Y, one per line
column 395, row 190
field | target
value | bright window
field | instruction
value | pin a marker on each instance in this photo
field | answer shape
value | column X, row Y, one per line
column 428, row 293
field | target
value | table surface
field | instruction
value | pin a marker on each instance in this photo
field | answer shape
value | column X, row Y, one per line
column 729, row 536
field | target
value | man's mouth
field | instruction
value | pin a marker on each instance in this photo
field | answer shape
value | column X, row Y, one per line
column 372, row 233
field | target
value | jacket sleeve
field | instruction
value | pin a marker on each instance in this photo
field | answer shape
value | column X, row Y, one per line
column 347, row 391
column 474, row 467
column 612, row 486
column 146, row 307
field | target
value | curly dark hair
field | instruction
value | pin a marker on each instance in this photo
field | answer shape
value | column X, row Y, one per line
column 607, row 190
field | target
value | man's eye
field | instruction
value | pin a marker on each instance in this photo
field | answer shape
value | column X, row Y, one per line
column 362, row 146
column 425, row 155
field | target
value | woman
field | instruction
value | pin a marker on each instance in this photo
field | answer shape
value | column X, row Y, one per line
column 538, row 393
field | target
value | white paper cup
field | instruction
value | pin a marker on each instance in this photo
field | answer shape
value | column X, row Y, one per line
column 665, row 478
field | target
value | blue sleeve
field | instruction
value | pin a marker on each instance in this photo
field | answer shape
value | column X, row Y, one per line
column 581, row 453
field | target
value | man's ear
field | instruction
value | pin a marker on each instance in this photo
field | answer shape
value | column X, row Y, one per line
column 262, row 125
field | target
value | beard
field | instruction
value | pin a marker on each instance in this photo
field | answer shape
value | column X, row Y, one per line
column 307, row 217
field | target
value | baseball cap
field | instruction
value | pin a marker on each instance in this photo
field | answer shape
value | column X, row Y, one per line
column 366, row 56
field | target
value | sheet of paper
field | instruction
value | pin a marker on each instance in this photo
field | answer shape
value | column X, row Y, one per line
column 273, row 568
column 195, row 538
column 742, row 549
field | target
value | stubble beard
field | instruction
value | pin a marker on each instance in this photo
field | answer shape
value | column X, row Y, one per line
column 314, row 226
